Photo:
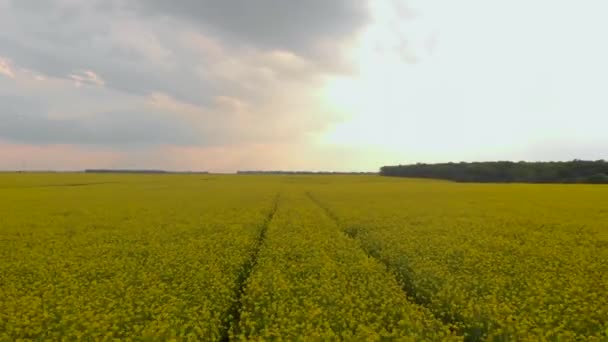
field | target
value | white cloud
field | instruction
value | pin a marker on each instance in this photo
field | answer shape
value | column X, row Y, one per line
column 86, row 77
column 5, row 68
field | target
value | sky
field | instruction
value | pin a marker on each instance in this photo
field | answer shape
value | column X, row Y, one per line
column 226, row 85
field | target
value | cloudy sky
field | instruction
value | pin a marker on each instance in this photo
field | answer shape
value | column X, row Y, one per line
column 222, row 85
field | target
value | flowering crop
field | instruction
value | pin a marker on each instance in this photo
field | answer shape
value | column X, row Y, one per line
column 312, row 280
column 156, row 257
column 508, row 262
column 208, row 257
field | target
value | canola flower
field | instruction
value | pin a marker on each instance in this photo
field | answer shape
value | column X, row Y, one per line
column 311, row 280
column 201, row 257
column 501, row 262
column 148, row 258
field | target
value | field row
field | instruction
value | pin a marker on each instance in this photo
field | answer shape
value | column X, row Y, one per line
column 325, row 258
column 508, row 272
column 127, row 262
column 310, row 279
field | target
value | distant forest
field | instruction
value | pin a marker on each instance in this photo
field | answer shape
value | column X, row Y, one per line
column 278, row 172
column 576, row 171
column 142, row 171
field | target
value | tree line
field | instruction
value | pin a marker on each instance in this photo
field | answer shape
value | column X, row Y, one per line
column 279, row 172
column 143, row 171
column 575, row 171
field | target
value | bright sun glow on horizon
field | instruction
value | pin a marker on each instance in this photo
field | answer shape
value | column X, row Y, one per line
column 446, row 83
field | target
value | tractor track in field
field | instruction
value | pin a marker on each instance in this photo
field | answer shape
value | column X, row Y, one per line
column 233, row 316
column 404, row 279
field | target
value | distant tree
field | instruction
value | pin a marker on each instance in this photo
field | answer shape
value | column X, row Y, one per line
column 598, row 178
column 506, row 171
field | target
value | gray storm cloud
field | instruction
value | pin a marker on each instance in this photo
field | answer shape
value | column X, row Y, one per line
column 298, row 26
column 24, row 120
column 136, row 45
column 264, row 55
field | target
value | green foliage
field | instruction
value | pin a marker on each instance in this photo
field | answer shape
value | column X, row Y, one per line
column 576, row 171
column 598, row 178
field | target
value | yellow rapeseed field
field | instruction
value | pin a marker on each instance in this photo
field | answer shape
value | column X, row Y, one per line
column 246, row 257
column 497, row 262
